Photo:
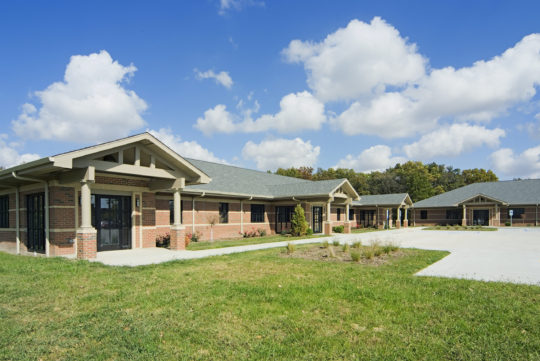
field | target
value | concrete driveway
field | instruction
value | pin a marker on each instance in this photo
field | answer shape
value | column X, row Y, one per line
column 508, row 255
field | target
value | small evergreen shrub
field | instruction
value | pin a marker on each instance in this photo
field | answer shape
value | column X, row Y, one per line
column 299, row 225
column 338, row 229
column 507, row 223
column 309, row 231
column 262, row 232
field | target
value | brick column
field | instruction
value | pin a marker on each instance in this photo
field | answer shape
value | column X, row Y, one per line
column 86, row 234
column 405, row 220
column 178, row 240
column 86, row 243
column 347, row 227
column 464, row 220
column 327, row 228
column 398, row 218
column 178, row 231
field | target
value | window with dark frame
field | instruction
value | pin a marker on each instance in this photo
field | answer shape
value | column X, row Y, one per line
column 423, row 214
column 257, row 213
column 224, row 213
column 518, row 212
column 4, row 212
column 454, row 214
column 339, row 214
column 171, row 211
column 351, row 214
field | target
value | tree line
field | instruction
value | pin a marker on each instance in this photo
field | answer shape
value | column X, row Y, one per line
column 420, row 180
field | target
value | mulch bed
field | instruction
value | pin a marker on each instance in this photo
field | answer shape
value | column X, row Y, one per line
column 319, row 253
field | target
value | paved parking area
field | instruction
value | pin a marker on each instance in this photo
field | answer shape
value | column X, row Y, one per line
column 509, row 255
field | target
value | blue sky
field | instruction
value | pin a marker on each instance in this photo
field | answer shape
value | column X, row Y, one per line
column 264, row 84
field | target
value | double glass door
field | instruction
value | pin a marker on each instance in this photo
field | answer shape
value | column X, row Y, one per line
column 112, row 220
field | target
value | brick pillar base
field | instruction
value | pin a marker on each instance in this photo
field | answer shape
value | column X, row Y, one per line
column 86, row 243
column 398, row 224
column 178, row 240
column 405, row 223
column 327, row 227
column 464, row 222
column 347, row 227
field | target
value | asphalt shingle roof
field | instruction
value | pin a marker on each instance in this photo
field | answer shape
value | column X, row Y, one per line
column 380, row 199
column 229, row 179
column 520, row 192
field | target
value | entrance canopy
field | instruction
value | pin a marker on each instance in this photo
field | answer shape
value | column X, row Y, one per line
column 138, row 155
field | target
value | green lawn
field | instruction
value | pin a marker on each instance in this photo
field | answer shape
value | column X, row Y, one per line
column 260, row 306
column 365, row 230
column 195, row 246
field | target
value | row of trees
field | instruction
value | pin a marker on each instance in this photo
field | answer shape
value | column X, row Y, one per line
column 416, row 178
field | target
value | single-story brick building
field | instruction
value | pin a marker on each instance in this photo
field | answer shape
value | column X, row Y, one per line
column 126, row 193
column 489, row 203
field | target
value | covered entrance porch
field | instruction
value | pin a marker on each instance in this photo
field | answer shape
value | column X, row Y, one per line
column 481, row 210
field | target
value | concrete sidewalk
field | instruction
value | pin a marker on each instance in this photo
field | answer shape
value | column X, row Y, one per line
column 508, row 255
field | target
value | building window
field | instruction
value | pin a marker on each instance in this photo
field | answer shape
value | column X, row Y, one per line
column 351, row 214
column 171, row 211
column 257, row 213
column 4, row 212
column 224, row 213
column 518, row 212
column 454, row 214
column 423, row 214
column 339, row 214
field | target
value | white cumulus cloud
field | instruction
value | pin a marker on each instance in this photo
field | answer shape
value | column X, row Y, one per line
column 358, row 60
column 394, row 93
column 89, row 105
column 188, row 149
column 10, row 156
column 298, row 111
column 453, row 140
column 222, row 78
column 376, row 158
column 226, row 5
column 524, row 165
column 285, row 153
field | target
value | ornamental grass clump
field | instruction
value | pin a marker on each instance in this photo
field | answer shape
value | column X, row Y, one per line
column 335, row 242
column 290, row 248
column 355, row 256
column 356, row 244
column 346, row 248
column 325, row 244
column 367, row 253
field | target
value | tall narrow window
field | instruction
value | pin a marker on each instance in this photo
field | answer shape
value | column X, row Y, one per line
column 171, row 211
column 339, row 214
column 257, row 213
column 351, row 214
column 224, row 213
column 4, row 212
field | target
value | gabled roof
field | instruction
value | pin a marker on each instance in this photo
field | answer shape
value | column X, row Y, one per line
column 232, row 180
column 393, row 199
column 519, row 192
column 52, row 166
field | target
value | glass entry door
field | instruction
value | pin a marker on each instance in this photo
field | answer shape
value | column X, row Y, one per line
column 112, row 220
column 35, row 218
column 317, row 220
column 480, row 217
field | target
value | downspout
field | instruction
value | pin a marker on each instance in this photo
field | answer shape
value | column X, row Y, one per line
column 17, row 221
column 242, row 214
column 193, row 212
column 46, row 184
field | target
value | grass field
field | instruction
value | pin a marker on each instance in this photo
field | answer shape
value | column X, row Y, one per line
column 196, row 246
column 260, row 306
